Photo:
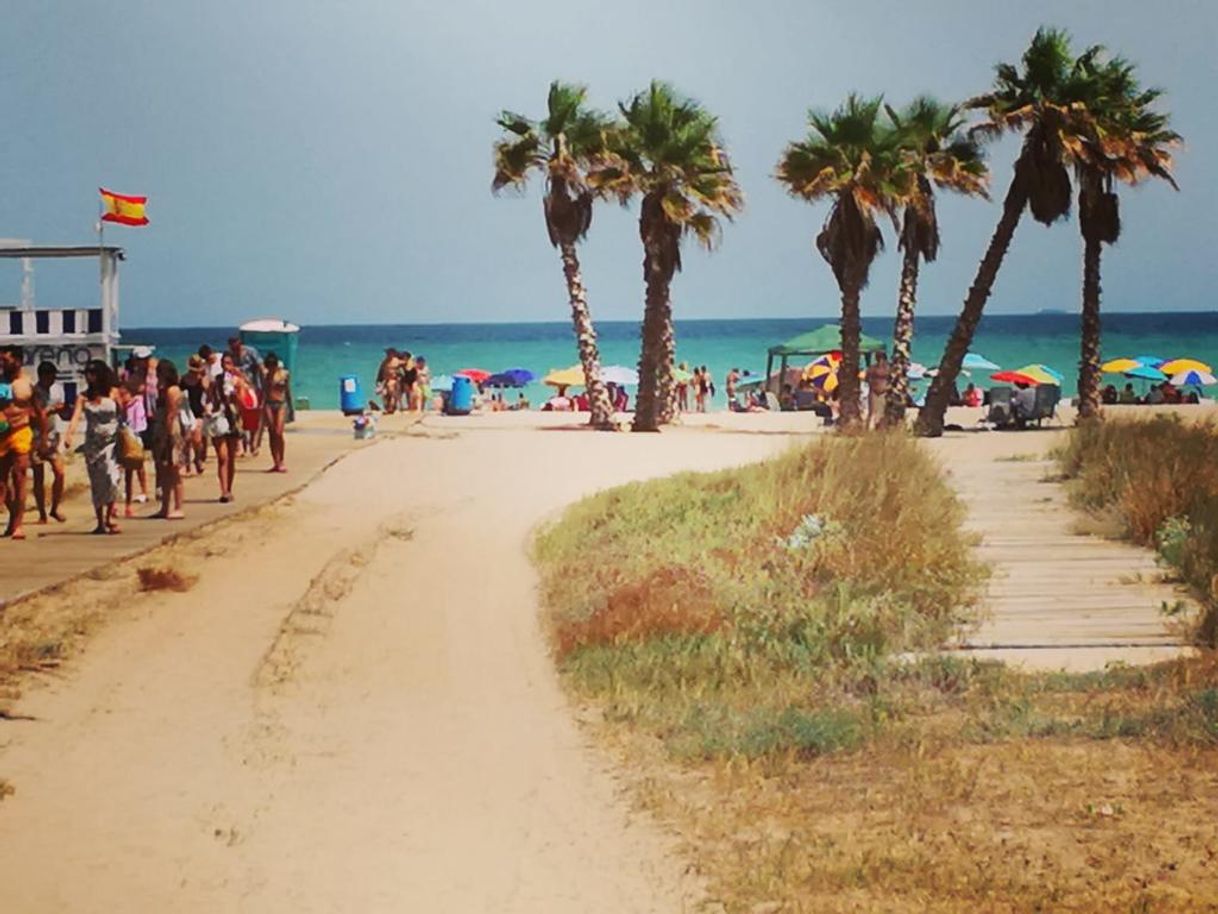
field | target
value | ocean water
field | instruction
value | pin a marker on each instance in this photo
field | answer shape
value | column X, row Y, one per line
column 327, row 352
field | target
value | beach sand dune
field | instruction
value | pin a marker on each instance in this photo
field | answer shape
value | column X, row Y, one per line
column 353, row 710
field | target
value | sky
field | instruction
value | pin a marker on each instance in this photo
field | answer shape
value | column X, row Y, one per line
column 331, row 162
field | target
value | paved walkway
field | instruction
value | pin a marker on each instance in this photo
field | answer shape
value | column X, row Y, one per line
column 1057, row 599
column 57, row 553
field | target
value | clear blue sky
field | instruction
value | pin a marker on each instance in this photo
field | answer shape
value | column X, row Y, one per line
column 330, row 162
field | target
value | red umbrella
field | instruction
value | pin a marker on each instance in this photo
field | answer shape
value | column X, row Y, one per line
column 477, row 375
column 1014, row 377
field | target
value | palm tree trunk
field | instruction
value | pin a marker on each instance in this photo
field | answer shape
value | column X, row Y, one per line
column 646, row 405
column 585, row 337
column 666, row 393
column 930, row 419
column 902, row 339
column 848, row 371
column 1089, row 357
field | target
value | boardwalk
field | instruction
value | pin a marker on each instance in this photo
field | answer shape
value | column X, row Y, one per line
column 1056, row 599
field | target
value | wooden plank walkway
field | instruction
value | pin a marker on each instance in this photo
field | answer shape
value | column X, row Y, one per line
column 1057, row 599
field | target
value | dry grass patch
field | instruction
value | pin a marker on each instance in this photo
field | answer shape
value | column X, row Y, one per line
column 153, row 579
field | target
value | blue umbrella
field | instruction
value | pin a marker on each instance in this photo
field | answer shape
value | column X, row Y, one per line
column 513, row 377
column 978, row 362
column 1146, row 373
column 1151, row 361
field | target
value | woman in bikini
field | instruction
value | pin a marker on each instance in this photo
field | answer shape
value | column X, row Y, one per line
column 223, row 421
column 169, row 439
column 275, row 398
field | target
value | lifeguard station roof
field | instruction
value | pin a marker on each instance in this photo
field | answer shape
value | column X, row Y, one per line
column 61, row 250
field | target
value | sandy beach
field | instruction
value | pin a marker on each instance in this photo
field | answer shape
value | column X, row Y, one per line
column 354, row 708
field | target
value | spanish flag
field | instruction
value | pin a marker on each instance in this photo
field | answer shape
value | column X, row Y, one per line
column 122, row 208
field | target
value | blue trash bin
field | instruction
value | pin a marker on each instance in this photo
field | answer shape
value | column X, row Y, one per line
column 350, row 396
column 461, row 397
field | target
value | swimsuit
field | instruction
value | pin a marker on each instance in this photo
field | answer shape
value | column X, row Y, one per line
column 18, row 441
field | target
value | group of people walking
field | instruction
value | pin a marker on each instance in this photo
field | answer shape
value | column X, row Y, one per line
column 226, row 401
column 403, row 382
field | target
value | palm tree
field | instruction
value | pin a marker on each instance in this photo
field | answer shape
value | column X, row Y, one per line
column 563, row 146
column 1046, row 101
column 938, row 154
column 1131, row 142
column 853, row 157
column 668, row 151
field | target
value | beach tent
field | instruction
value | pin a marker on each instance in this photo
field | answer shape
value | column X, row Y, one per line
column 823, row 340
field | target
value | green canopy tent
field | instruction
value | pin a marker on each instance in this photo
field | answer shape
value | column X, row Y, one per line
column 813, row 343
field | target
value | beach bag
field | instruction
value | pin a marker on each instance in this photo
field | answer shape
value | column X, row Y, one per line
column 130, row 448
column 216, row 425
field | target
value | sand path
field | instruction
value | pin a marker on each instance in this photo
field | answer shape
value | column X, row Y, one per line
column 352, row 711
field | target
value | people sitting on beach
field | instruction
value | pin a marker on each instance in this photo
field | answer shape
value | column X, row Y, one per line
column 972, row 396
column 1024, row 402
column 1154, row 397
column 1109, row 395
column 1193, row 397
column 559, row 403
column 522, row 402
column 1128, row 396
column 1171, row 393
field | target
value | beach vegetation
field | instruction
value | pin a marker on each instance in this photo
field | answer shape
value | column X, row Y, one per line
column 668, row 152
column 153, row 578
column 938, row 153
column 562, row 147
column 1044, row 99
column 1130, row 142
column 1155, row 482
column 853, row 158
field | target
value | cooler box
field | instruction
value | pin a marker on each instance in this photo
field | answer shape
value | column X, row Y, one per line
column 350, row 396
column 461, row 398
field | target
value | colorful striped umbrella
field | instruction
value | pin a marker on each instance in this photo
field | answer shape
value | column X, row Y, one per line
column 1193, row 379
column 1042, row 373
column 1016, row 377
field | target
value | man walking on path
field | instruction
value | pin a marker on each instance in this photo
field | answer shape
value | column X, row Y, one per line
column 877, row 386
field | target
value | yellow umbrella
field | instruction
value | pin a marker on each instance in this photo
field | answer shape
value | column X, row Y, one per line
column 1179, row 366
column 566, row 377
column 818, row 369
column 1120, row 366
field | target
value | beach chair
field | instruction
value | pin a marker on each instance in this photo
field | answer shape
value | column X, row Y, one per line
column 1047, row 398
column 1001, row 412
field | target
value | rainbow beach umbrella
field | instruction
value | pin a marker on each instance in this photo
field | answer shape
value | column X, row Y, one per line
column 1043, row 374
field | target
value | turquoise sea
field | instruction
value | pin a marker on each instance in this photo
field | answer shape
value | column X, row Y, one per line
column 327, row 352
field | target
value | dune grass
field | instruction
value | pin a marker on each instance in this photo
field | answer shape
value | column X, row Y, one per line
column 759, row 645
column 749, row 610
column 1155, row 482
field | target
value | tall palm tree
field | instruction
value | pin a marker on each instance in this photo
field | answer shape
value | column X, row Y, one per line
column 938, row 153
column 1046, row 102
column 563, row 146
column 852, row 157
column 1131, row 142
column 668, row 152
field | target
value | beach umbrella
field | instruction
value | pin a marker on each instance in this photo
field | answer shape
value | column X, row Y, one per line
column 513, row 377
column 1179, row 366
column 916, row 371
column 566, row 377
column 442, row 383
column 1146, row 373
column 832, row 359
column 1120, row 366
column 818, row 369
column 978, row 362
column 1192, row 378
column 1016, row 377
column 619, row 375
column 1152, row 361
column 825, row 380
column 477, row 375
column 1042, row 373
